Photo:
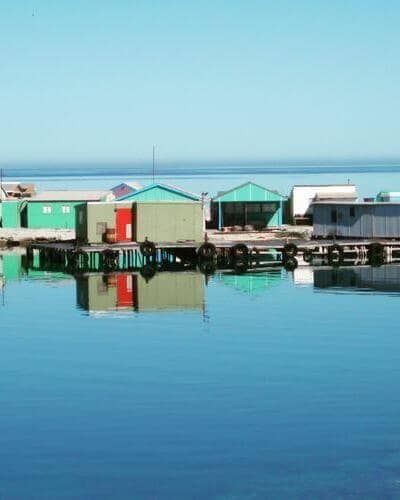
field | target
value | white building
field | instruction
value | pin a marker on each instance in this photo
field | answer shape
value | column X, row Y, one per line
column 303, row 196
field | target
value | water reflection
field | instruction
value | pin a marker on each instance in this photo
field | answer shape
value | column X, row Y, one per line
column 253, row 282
column 166, row 291
column 385, row 278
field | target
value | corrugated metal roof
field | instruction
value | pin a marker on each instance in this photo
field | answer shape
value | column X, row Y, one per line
column 69, row 196
column 249, row 191
column 166, row 187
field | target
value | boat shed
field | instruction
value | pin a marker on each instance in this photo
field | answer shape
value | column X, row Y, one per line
column 248, row 204
column 159, row 192
column 356, row 220
column 56, row 209
column 303, row 196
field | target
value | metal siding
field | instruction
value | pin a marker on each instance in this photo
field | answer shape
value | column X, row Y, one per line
column 56, row 219
column 169, row 222
column 11, row 216
column 371, row 221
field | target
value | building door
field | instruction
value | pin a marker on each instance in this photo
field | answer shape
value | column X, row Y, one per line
column 124, row 220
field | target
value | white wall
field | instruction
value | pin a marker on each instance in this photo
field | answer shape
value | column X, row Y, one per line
column 302, row 196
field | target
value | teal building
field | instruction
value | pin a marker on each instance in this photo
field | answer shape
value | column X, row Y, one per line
column 248, row 204
column 159, row 192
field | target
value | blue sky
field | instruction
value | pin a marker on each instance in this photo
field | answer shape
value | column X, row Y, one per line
column 95, row 80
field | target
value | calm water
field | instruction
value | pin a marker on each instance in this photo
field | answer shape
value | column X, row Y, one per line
column 255, row 386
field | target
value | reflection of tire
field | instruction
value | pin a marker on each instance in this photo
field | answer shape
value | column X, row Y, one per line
column 239, row 251
column 110, row 260
column 148, row 271
column 207, row 267
column 308, row 256
column 207, row 251
column 375, row 260
column 376, row 252
column 240, row 266
column 290, row 250
column 335, row 255
column 147, row 249
column 290, row 264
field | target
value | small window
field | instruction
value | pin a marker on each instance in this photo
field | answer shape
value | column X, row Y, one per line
column 334, row 216
column 80, row 217
column 66, row 209
column 352, row 211
column 47, row 209
column 101, row 228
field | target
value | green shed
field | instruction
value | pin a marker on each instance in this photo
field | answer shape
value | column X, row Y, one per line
column 160, row 192
column 248, row 204
column 56, row 209
column 11, row 213
column 157, row 221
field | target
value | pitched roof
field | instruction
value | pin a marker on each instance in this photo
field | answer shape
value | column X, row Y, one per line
column 69, row 196
column 167, row 187
column 269, row 194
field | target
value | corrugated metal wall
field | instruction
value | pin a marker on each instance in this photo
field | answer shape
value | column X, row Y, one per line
column 357, row 221
column 169, row 222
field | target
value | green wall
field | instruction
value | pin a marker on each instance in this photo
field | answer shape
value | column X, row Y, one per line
column 36, row 218
column 11, row 214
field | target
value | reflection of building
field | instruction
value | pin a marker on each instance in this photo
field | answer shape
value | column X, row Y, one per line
column 164, row 291
column 303, row 275
column 385, row 278
column 252, row 282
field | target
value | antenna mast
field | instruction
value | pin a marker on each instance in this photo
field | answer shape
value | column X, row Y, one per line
column 154, row 168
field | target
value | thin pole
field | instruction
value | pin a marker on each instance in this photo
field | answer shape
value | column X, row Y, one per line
column 154, row 154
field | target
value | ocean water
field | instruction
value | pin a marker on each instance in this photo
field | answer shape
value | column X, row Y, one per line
column 210, row 179
column 262, row 385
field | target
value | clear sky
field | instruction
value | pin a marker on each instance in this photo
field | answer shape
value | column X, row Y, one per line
column 88, row 80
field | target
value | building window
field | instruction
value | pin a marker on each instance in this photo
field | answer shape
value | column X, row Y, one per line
column 352, row 211
column 334, row 216
column 101, row 228
column 66, row 209
column 47, row 209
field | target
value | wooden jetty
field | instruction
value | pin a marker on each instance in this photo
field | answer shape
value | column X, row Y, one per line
column 133, row 255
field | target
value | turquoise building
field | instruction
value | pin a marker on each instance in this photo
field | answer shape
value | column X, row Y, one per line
column 248, row 204
column 159, row 192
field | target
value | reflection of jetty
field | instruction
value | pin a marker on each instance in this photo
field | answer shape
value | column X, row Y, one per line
column 384, row 278
column 131, row 291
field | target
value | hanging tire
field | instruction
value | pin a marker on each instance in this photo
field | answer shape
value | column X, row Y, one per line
column 376, row 260
column 376, row 250
column 110, row 260
column 239, row 251
column 290, row 264
column 290, row 250
column 147, row 249
column 207, row 251
column 335, row 255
